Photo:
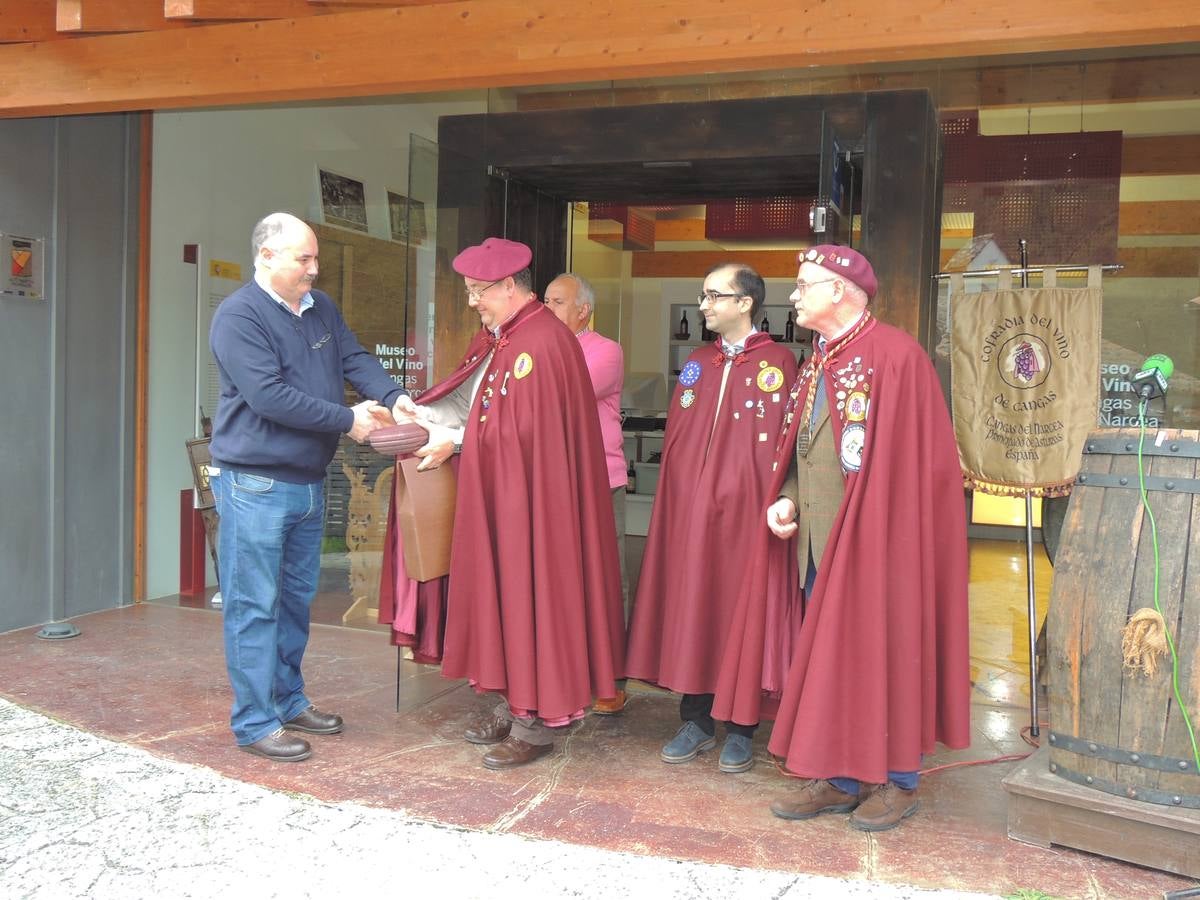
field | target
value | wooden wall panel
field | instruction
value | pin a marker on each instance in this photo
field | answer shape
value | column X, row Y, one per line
column 27, row 20
column 238, row 9
column 543, row 42
column 1170, row 154
column 1166, row 217
column 1159, row 262
column 98, row 16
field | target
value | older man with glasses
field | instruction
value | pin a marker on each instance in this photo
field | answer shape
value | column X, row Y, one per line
column 869, row 488
column 283, row 356
column 533, row 606
column 716, row 465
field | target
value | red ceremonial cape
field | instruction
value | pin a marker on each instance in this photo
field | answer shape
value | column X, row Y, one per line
column 716, row 467
column 416, row 610
column 880, row 669
column 534, row 607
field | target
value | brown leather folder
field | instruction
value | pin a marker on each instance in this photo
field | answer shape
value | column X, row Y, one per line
column 425, row 516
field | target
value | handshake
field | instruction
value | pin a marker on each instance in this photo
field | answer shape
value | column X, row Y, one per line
column 405, row 428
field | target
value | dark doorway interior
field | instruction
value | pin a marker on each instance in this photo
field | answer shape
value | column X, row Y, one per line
column 512, row 174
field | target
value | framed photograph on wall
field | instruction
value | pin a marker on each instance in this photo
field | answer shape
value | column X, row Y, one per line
column 405, row 213
column 343, row 200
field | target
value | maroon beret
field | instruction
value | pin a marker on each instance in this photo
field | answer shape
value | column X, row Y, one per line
column 492, row 260
column 844, row 262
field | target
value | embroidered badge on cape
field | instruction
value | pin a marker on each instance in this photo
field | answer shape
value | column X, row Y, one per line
column 687, row 398
column 854, row 436
column 770, row 379
column 856, row 407
column 523, row 366
column 690, row 373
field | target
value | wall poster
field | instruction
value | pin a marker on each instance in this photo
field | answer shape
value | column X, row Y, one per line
column 24, row 265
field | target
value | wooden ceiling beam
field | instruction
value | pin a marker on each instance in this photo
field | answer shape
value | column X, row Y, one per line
column 497, row 43
column 100, row 16
column 376, row 3
column 228, row 10
column 27, row 20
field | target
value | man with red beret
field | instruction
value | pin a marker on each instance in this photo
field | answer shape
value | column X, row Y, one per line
column 868, row 479
column 716, row 467
column 539, row 626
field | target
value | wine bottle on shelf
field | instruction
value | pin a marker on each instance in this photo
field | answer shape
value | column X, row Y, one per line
column 789, row 329
column 685, row 330
column 765, row 325
column 631, row 479
column 705, row 334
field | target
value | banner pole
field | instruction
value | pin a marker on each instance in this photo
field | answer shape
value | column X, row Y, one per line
column 1030, row 588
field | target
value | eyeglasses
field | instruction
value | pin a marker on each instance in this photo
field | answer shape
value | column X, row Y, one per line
column 476, row 293
column 802, row 286
column 320, row 342
column 713, row 296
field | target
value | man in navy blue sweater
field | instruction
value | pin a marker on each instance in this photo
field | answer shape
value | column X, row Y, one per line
column 283, row 354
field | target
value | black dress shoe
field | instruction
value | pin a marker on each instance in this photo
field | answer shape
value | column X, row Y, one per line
column 313, row 721
column 280, row 747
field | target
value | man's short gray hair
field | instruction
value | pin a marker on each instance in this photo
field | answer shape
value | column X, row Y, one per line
column 855, row 292
column 584, row 296
column 269, row 228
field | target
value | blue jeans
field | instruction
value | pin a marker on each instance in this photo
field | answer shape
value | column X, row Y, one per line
column 269, row 553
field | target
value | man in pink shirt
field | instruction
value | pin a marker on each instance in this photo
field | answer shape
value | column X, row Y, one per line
column 572, row 300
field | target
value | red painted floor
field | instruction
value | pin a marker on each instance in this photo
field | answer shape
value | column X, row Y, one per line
column 153, row 676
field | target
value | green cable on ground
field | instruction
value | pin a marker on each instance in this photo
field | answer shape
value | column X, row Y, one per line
column 1166, row 628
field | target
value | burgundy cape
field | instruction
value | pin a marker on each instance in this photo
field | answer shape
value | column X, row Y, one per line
column 707, row 509
column 880, row 670
column 533, row 604
column 416, row 610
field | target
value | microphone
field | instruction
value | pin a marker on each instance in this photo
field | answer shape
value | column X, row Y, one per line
column 1151, row 381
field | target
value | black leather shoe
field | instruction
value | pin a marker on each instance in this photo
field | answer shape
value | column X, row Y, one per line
column 313, row 721
column 280, row 747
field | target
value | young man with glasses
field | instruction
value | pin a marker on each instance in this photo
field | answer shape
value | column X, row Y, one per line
column 869, row 488
column 283, row 356
column 533, row 604
column 722, row 423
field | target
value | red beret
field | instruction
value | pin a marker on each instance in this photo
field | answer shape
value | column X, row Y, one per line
column 844, row 262
column 492, row 260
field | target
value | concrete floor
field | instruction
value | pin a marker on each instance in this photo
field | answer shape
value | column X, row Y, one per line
column 152, row 677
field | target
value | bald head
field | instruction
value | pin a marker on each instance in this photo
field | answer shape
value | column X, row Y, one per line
column 571, row 299
column 286, row 249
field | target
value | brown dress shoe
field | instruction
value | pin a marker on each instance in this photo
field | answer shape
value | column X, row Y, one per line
column 280, row 746
column 313, row 721
column 610, row 706
column 512, row 752
column 491, row 730
column 884, row 808
column 814, row 797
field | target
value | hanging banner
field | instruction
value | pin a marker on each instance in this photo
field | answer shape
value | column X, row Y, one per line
column 1025, row 384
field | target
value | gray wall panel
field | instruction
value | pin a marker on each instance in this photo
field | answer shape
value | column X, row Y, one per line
column 26, row 208
column 94, row 292
column 67, row 367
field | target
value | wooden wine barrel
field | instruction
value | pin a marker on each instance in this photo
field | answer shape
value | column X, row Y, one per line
column 1112, row 729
